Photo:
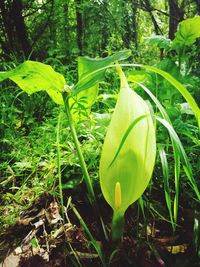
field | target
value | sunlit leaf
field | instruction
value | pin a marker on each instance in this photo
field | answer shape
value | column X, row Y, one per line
column 188, row 32
column 90, row 70
column 32, row 76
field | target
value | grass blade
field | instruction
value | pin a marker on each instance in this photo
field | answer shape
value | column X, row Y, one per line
column 180, row 87
column 93, row 241
column 178, row 150
column 165, row 170
column 181, row 152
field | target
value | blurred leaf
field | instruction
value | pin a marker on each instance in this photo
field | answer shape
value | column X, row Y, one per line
column 23, row 165
column 34, row 243
column 188, row 32
column 159, row 40
column 185, row 108
column 169, row 65
column 102, row 122
column 71, row 184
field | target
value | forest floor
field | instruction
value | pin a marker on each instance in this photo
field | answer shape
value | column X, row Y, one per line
column 41, row 238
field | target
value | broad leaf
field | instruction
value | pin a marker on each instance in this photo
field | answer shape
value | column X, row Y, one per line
column 188, row 32
column 33, row 77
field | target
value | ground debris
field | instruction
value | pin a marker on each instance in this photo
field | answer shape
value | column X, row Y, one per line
column 46, row 234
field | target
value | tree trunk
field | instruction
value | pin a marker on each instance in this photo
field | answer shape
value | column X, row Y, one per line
column 14, row 29
column 7, row 25
column 66, row 19
column 198, row 6
column 20, row 27
column 127, row 30
column 176, row 14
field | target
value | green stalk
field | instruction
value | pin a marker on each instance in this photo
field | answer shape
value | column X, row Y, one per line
column 117, row 227
column 59, row 166
column 78, row 148
column 92, row 197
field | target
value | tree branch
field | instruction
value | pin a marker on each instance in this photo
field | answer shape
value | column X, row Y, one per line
column 36, row 10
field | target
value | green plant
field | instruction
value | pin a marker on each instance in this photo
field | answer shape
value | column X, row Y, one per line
column 128, row 154
column 34, row 76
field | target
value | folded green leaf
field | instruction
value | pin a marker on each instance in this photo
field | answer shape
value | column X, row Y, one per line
column 88, row 84
column 89, row 70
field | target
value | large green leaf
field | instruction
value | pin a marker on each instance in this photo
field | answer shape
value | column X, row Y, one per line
column 33, row 77
column 188, row 32
column 85, row 91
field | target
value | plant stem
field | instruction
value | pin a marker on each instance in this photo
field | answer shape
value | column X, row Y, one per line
column 78, row 148
column 59, row 167
column 92, row 197
column 117, row 227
